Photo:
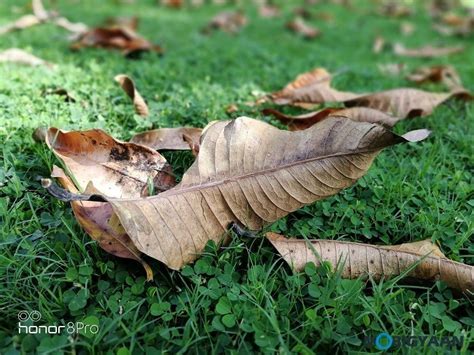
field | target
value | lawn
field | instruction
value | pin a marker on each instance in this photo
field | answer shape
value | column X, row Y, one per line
column 240, row 298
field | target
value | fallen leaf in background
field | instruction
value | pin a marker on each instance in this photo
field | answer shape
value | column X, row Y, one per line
column 359, row 114
column 101, row 224
column 269, row 11
column 117, row 169
column 251, row 173
column 299, row 26
column 378, row 45
column 445, row 74
column 128, row 86
column 124, row 39
column 359, row 260
column 426, row 51
column 177, row 4
column 39, row 11
column 15, row 55
column 130, row 22
column 394, row 8
column 312, row 87
column 394, row 69
column 182, row 138
column 60, row 92
column 231, row 108
column 406, row 102
column 228, row 21
column 407, row 28
column 20, row 24
column 302, row 12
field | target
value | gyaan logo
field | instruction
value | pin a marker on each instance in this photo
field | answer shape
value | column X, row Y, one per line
column 70, row 327
column 385, row 341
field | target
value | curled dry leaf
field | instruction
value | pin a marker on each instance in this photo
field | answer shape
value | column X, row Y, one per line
column 15, row 55
column 228, row 21
column 182, row 138
column 76, row 28
column 122, row 38
column 359, row 114
column 455, row 25
column 445, row 74
column 407, row 102
column 60, row 92
column 250, row 173
column 313, row 87
column 117, row 169
column 101, row 223
column 394, row 8
column 299, row 26
column 422, row 260
column 127, row 84
column 426, row 51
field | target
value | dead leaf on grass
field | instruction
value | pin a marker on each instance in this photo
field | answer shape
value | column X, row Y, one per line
column 182, row 138
column 427, row 51
column 228, row 21
column 250, row 173
column 15, row 55
column 122, row 38
column 101, row 223
column 423, row 260
column 444, row 74
column 117, row 169
column 127, row 84
column 359, row 114
column 20, row 24
column 299, row 26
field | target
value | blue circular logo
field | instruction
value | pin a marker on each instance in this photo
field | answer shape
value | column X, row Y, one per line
column 383, row 341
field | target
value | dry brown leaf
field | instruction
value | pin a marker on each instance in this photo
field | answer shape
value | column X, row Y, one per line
column 394, row 8
column 231, row 108
column 101, row 223
column 177, row 4
column 313, row 87
column 378, row 45
column 228, row 21
column 123, row 21
column 251, row 173
column 15, row 55
column 359, row 260
column 122, row 38
column 299, row 26
column 182, row 138
column 117, row 169
column 39, row 11
column 127, row 84
column 445, row 74
column 20, row 24
column 407, row 102
column 60, row 92
column 359, row 114
column 269, row 11
column 426, row 51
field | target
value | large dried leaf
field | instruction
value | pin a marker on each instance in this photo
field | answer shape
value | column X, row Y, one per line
column 313, row 87
column 299, row 26
column 426, row 51
column 15, row 55
column 426, row 260
column 101, row 223
column 445, row 74
column 127, row 84
column 360, row 114
column 406, row 102
column 122, row 38
column 117, row 169
column 251, row 173
column 181, row 138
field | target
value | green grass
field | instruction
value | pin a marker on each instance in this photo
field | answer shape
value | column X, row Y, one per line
column 241, row 298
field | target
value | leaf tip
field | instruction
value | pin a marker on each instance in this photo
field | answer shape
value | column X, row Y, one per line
column 416, row 135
